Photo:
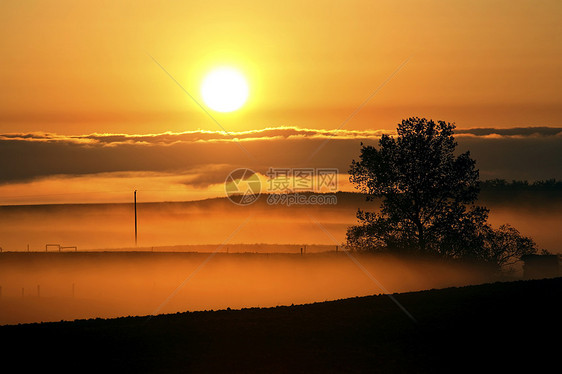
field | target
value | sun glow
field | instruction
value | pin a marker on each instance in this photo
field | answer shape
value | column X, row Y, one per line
column 224, row 90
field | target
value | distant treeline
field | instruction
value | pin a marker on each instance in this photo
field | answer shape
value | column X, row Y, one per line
column 523, row 191
column 521, row 186
column 544, row 193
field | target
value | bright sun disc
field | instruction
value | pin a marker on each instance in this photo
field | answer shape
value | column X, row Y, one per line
column 224, row 90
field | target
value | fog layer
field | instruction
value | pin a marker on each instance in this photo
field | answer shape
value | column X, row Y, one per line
column 54, row 286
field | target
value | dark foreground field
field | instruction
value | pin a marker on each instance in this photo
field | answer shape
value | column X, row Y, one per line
column 487, row 328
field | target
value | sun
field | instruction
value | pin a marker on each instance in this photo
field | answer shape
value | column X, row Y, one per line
column 224, row 89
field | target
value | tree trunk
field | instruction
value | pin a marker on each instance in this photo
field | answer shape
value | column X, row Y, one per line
column 421, row 237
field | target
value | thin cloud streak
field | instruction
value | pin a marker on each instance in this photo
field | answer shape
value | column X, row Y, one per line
column 282, row 132
column 519, row 153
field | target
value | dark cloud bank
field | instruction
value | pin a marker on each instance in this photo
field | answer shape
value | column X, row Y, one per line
column 532, row 153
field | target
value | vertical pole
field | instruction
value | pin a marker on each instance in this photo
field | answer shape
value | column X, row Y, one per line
column 135, row 218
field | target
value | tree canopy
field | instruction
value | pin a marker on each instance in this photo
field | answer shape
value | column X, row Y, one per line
column 428, row 199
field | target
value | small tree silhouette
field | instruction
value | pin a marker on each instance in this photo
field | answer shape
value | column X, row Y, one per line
column 428, row 199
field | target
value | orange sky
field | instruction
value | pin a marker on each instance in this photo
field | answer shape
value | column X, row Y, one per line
column 73, row 68
column 80, row 67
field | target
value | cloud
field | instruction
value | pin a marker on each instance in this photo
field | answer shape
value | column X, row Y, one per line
column 285, row 132
column 517, row 153
column 513, row 132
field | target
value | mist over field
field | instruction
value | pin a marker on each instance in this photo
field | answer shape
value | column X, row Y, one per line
column 217, row 221
column 258, row 261
column 51, row 286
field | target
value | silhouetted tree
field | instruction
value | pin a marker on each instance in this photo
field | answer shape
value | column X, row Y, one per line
column 428, row 195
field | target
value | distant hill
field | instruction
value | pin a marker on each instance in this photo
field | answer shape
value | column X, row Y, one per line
column 488, row 328
column 494, row 190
